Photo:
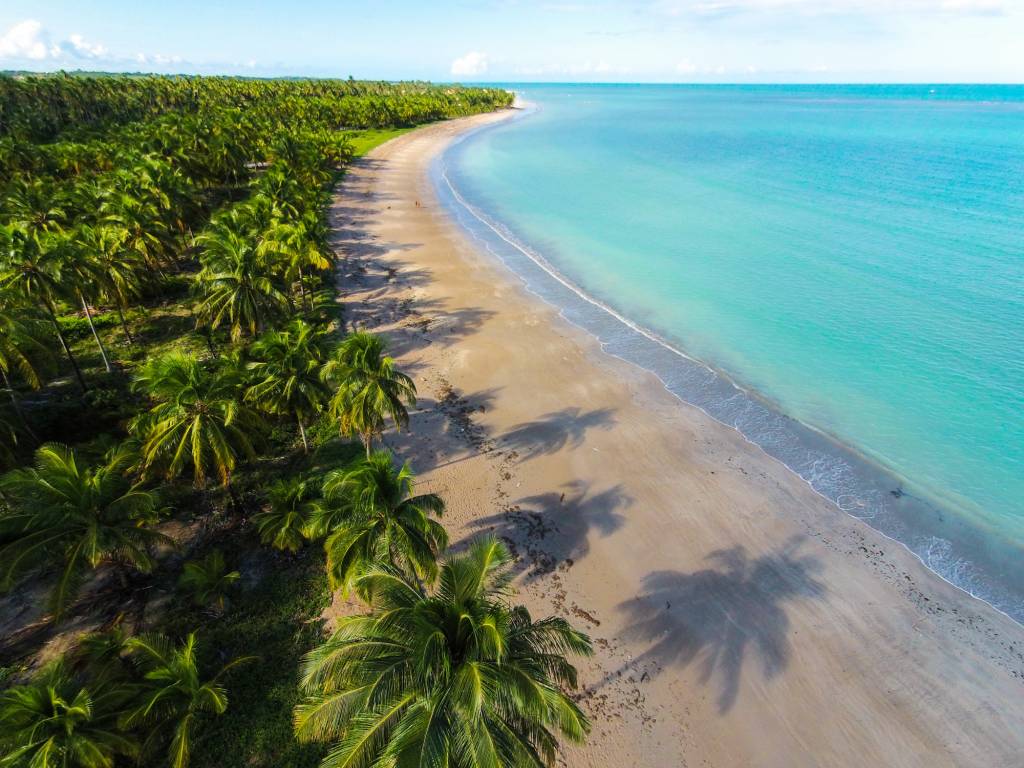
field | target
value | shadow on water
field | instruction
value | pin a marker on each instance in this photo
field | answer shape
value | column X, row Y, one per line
column 554, row 431
column 717, row 616
column 550, row 529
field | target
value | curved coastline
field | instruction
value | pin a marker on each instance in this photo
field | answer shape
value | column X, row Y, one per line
column 727, row 601
column 951, row 547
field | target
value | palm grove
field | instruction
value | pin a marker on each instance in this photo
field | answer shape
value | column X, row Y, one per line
column 173, row 360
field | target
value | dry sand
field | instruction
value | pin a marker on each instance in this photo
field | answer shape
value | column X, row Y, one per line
column 739, row 619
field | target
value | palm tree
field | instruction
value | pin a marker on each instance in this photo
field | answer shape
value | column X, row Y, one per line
column 174, row 694
column 86, row 257
column 198, row 420
column 34, row 272
column 36, row 207
column 56, row 722
column 295, row 252
column 459, row 677
column 370, row 515
column 122, row 271
column 284, row 524
column 61, row 513
column 137, row 214
column 369, row 388
column 285, row 369
column 23, row 350
column 236, row 285
column 209, row 580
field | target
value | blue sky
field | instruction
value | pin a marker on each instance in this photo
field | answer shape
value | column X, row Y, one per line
column 529, row 40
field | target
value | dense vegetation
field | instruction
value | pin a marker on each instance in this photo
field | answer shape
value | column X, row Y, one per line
column 184, row 415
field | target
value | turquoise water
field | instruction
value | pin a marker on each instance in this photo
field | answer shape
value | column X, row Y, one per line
column 849, row 261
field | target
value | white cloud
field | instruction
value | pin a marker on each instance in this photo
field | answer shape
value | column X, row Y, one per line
column 26, row 40
column 29, row 41
column 77, row 46
column 473, row 63
column 686, row 67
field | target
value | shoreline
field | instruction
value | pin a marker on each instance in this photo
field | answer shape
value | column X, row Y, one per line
column 728, row 600
column 917, row 523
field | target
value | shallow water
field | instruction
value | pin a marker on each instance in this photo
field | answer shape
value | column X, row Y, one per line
column 838, row 272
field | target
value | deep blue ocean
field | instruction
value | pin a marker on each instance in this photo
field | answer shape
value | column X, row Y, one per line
column 836, row 271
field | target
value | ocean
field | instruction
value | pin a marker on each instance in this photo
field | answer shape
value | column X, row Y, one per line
column 835, row 271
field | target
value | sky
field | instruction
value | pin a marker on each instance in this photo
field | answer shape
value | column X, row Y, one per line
column 527, row 40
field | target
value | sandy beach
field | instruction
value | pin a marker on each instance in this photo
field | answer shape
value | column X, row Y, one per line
column 739, row 619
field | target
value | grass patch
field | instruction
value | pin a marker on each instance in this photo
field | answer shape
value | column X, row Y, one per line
column 364, row 141
column 274, row 615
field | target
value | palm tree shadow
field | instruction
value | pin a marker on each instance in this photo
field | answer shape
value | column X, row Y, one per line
column 717, row 616
column 554, row 529
column 554, row 431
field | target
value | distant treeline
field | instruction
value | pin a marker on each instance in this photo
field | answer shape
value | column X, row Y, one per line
column 39, row 108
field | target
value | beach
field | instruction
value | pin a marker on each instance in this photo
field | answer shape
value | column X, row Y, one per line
column 738, row 617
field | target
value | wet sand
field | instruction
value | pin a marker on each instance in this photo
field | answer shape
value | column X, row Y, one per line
column 739, row 618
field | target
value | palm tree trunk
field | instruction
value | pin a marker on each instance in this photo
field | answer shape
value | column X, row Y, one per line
column 16, row 406
column 302, row 290
column 367, row 441
column 96, row 336
column 67, row 349
column 208, row 335
column 302, row 433
column 124, row 325
column 236, row 502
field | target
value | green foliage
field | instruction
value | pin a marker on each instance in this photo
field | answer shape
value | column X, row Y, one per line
column 209, row 581
column 279, row 617
column 456, row 677
column 55, row 721
column 370, row 515
column 175, row 695
column 41, row 107
column 77, row 326
column 369, row 388
column 198, row 420
column 60, row 514
column 292, row 503
column 363, row 141
column 285, row 370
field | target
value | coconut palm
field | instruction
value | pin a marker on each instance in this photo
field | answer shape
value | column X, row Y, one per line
column 24, row 352
column 458, row 677
column 86, row 256
column 33, row 271
column 198, row 420
column 136, row 213
column 283, row 526
column 370, row 515
column 295, row 252
column 122, row 272
column 209, row 580
column 175, row 695
column 369, row 388
column 55, row 721
column 285, row 370
column 36, row 207
column 236, row 286
column 61, row 513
